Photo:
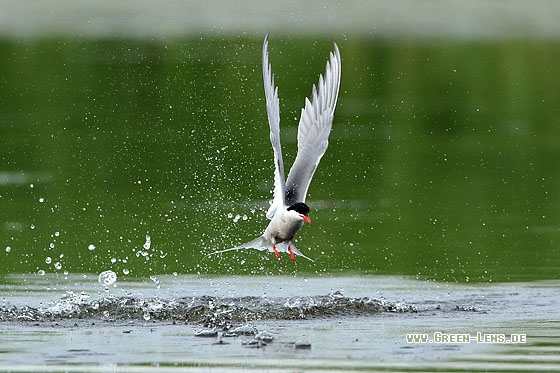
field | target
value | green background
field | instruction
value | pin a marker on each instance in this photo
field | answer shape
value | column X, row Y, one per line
column 443, row 161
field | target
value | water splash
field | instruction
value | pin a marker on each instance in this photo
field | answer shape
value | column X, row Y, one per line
column 107, row 278
column 227, row 314
column 69, row 304
column 146, row 249
column 156, row 281
column 148, row 243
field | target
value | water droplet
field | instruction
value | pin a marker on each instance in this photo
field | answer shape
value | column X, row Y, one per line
column 8, row 249
column 91, row 247
column 48, row 260
column 107, row 278
column 58, row 265
column 148, row 243
column 146, row 316
column 155, row 280
column 41, row 272
column 126, row 271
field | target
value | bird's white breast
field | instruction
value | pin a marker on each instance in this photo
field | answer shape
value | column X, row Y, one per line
column 283, row 226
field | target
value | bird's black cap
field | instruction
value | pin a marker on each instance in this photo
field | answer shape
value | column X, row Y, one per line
column 300, row 207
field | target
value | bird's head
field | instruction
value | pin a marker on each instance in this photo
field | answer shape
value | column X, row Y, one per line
column 302, row 210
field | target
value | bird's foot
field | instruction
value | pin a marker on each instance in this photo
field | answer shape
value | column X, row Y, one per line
column 292, row 256
column 276, row 252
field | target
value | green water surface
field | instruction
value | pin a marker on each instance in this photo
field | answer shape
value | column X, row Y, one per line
column 443, row 160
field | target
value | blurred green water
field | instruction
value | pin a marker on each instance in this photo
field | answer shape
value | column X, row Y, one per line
column 443, row 160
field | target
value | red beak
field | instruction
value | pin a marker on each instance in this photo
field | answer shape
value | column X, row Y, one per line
column 306, row 219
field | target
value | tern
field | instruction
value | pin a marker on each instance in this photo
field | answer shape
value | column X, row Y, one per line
column 288, row 211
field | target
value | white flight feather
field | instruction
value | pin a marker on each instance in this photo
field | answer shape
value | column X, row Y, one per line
column 313, row 131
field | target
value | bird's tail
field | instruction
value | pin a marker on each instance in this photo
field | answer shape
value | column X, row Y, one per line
column 282, row 247
column 259, row 243
column 262, row 244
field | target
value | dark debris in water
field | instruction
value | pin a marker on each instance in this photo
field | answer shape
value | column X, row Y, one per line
column 209, row 312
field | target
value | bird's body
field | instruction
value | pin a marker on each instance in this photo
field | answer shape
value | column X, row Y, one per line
column 288, row 211
column 283, row 227
column 285, row 224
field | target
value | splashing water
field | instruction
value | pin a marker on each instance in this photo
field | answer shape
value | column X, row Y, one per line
column 107, row 278
column 148, row 242
column 69, row 304
column 145, row 253
column 156, row 281
column 225, row 314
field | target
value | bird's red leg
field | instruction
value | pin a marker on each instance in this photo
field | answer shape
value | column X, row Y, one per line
column 292, row 256
column 276, row 251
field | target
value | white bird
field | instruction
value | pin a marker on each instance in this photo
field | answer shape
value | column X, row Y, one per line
column 288, row 210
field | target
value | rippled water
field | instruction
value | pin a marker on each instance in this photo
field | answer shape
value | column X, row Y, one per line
column 255, row 323
column 122, row 156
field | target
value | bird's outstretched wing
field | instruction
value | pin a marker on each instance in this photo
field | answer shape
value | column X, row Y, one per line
column 313, row 131
column 273, row 111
